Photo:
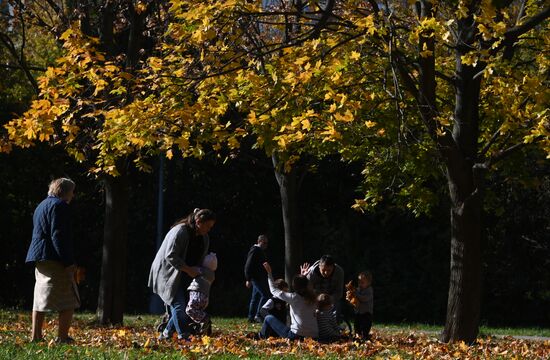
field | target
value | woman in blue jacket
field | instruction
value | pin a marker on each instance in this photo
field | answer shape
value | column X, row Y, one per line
column 51, row 251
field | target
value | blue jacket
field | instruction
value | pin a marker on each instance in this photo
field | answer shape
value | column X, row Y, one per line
column 51, row 234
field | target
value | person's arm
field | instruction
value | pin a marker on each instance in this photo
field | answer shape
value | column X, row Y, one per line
column 279, row 294
column 178, row 241
column 335, row 328
column 60, row 233
column 248, row 265
column 268, row 306
column 363, row 296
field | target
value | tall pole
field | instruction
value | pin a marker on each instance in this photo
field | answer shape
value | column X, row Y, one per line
column 156, row 305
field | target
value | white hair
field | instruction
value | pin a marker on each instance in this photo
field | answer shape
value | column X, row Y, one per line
column 60, row 187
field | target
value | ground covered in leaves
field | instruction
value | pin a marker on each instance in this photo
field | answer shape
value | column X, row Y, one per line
column 137, row 339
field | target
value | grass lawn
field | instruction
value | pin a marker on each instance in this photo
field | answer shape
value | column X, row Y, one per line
column 137, row 340
column 484, row 331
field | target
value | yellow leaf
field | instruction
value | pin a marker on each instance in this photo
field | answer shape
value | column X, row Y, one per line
column 355, row 55
column 469, row 59
column 301, row 60
column 126, row 75
column 252, row 118
column 169, row 154
column 346, row 117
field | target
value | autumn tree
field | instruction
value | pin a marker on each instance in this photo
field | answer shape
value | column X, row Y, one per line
column 103, row 44
column 449, row 88
column 422, row 92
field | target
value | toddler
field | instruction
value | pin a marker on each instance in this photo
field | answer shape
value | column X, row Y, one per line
column 199, row 291
column 326, row 319
column 364, row 306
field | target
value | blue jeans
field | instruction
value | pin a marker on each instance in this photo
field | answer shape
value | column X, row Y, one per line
column 260, row 294
column 277, row 327
column 178, row 318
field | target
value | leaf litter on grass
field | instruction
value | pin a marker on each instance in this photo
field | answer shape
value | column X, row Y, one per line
column 231, row 340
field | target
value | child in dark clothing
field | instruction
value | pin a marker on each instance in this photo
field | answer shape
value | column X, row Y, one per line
column 364, row 306
column 275, row 306
column 326, row 319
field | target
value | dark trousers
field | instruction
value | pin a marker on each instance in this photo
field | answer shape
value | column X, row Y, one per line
column 363, row 323
column 260, row 294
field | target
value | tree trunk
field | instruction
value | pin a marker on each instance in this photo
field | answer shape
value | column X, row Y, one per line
column 464, row 301
column 289, row 184
column 110, row 304
column 465, row 190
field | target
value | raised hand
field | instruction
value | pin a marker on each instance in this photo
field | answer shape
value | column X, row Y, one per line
column 304, row 269
column 267, row 267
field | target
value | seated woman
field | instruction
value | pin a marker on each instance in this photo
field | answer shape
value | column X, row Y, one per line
column 303, row 322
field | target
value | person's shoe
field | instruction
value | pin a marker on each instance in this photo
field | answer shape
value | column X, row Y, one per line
column 205, row 327
column 253, row 336
column 258, row 319
column 184, row 337
column 67, row 340
column 164, row 335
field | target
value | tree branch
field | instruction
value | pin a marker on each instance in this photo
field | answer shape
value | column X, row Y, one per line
column 512, row 35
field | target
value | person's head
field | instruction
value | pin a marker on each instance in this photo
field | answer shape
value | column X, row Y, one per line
column 364, row 279
column 210, row 261
column 262, row 241
column 326, row 266
column 62, row 188
column 324, row 302
column 281, row 284
column 200, row 220
column 301, row 286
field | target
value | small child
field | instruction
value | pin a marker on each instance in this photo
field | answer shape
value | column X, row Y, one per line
column 364, row 307
column 199, row 292
column 275, row 306
column 326, row 319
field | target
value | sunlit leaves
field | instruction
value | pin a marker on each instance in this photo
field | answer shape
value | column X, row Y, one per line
column 229, row 340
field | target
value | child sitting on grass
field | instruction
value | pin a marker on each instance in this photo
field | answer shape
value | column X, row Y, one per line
column 276, row 306
column 326, row 319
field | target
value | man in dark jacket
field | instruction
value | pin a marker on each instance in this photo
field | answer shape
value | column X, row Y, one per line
column 256, row 278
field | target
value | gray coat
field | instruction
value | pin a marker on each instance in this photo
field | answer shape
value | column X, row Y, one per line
column 165, row 276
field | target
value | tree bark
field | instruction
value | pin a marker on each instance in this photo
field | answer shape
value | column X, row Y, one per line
column 112, row 287
column 466, row 194
column 289, row 184
column 464, row 301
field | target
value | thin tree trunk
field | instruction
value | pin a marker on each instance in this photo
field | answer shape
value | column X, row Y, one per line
column 289, row 184
column 112, row 287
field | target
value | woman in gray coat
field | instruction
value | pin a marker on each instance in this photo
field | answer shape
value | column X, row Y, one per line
column 177, row 262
